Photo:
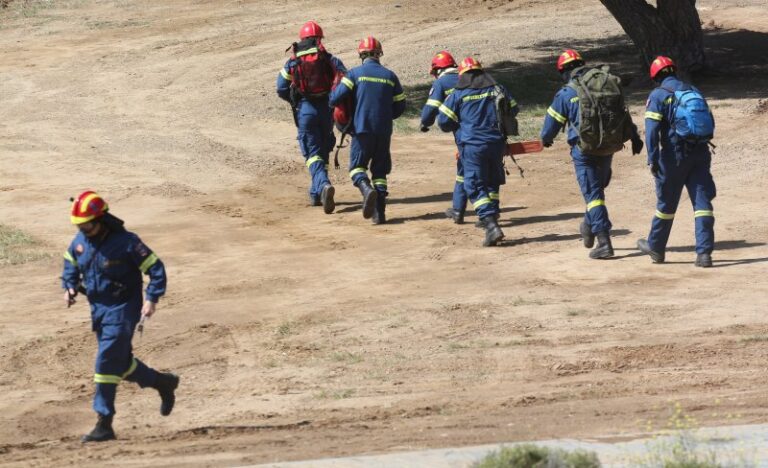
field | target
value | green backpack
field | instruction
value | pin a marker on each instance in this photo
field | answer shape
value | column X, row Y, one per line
column 605, row 123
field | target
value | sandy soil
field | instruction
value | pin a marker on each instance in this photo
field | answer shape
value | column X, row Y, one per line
column 301, row 335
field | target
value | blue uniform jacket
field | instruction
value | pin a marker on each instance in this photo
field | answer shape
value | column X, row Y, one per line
column 379, row 98
column 441, row 89
column 111, row 270
column 471, row 113
column 564, row 110
column 660, row 137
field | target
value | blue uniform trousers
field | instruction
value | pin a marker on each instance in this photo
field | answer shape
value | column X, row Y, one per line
column 371, row 149
column 115, row 361
column 483, row 175
column 693, row 173
column 316, row 140
column 459, row 194
column 593, row 174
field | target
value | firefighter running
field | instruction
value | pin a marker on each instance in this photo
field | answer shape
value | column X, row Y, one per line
column 105, row 262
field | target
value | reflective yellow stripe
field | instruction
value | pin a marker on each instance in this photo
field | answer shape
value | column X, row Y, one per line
column 131, row 369
column 313, row 50
column 595, row 203
column 374, row 79
column 399, row 97
column 68, row 257
column 434, row 102
column 494, row 195
column 575, row 99
column 348, row 83
column 148, row 262
column 285, row 74
column 555, row 115
column 313, row 160
column 653, row 116
column 380, row 182
column 512, row 103
column 108, row 379
column 447, row 111
column 450, row 91
column 661, row 215
column 480, row 202
column 700, row 213
column 356, row 170
column 669, row 100
column 460, row 179
column 476, row 97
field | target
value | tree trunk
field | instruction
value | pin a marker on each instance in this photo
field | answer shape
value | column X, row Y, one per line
column 671, row 28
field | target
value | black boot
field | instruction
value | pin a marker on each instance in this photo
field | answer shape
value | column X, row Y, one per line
column 102, row 432
column 456, row 215
column 586, row 234
column 369, row 198
column 493, row 233
column 379, row 215
column 326, row 198
column 166, row 386
column 704, row 260
column 604, row 248
column 657, row 257
column 479, row 223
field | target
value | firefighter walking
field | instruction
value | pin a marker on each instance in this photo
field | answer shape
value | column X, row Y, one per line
column 445, row 71
column 470, row 112
column 305, row 81
column 679, row 157
column 106, row 262
column 592, row 162
column 379, row 99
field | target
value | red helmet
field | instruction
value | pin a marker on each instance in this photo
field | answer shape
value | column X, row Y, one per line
column 567, row 57
column 469, row 63
column 370, row 45
column 442, row 60
column 87, row 207
column 310, row 29
column 659, row 64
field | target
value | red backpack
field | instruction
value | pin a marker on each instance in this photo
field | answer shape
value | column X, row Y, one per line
column 313, row 73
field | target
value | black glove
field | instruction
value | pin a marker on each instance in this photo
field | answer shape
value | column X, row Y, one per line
column 547, row 144
column 655, row 169
column 424, row 128
column 637, row 145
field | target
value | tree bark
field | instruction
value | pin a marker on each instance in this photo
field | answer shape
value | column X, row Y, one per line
column 671, row 28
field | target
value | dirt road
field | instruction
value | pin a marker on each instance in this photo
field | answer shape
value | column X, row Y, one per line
column 301, row 335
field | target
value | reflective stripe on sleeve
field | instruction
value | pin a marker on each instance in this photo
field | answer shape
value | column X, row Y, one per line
column 148, row 262
column 399, row 97
column 575, row 99
column 653, row 116
column 434, row 102
column 348, row 83
column 285, row 74
column 448, row 112
column 557, row 116
column 68, row 257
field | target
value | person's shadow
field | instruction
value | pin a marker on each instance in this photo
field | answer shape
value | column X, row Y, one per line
column 719, row 246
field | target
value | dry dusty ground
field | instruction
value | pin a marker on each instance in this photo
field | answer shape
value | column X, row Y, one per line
column 301, row 335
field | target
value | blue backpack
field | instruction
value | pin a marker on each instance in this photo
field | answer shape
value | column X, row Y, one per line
column 692, row 120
